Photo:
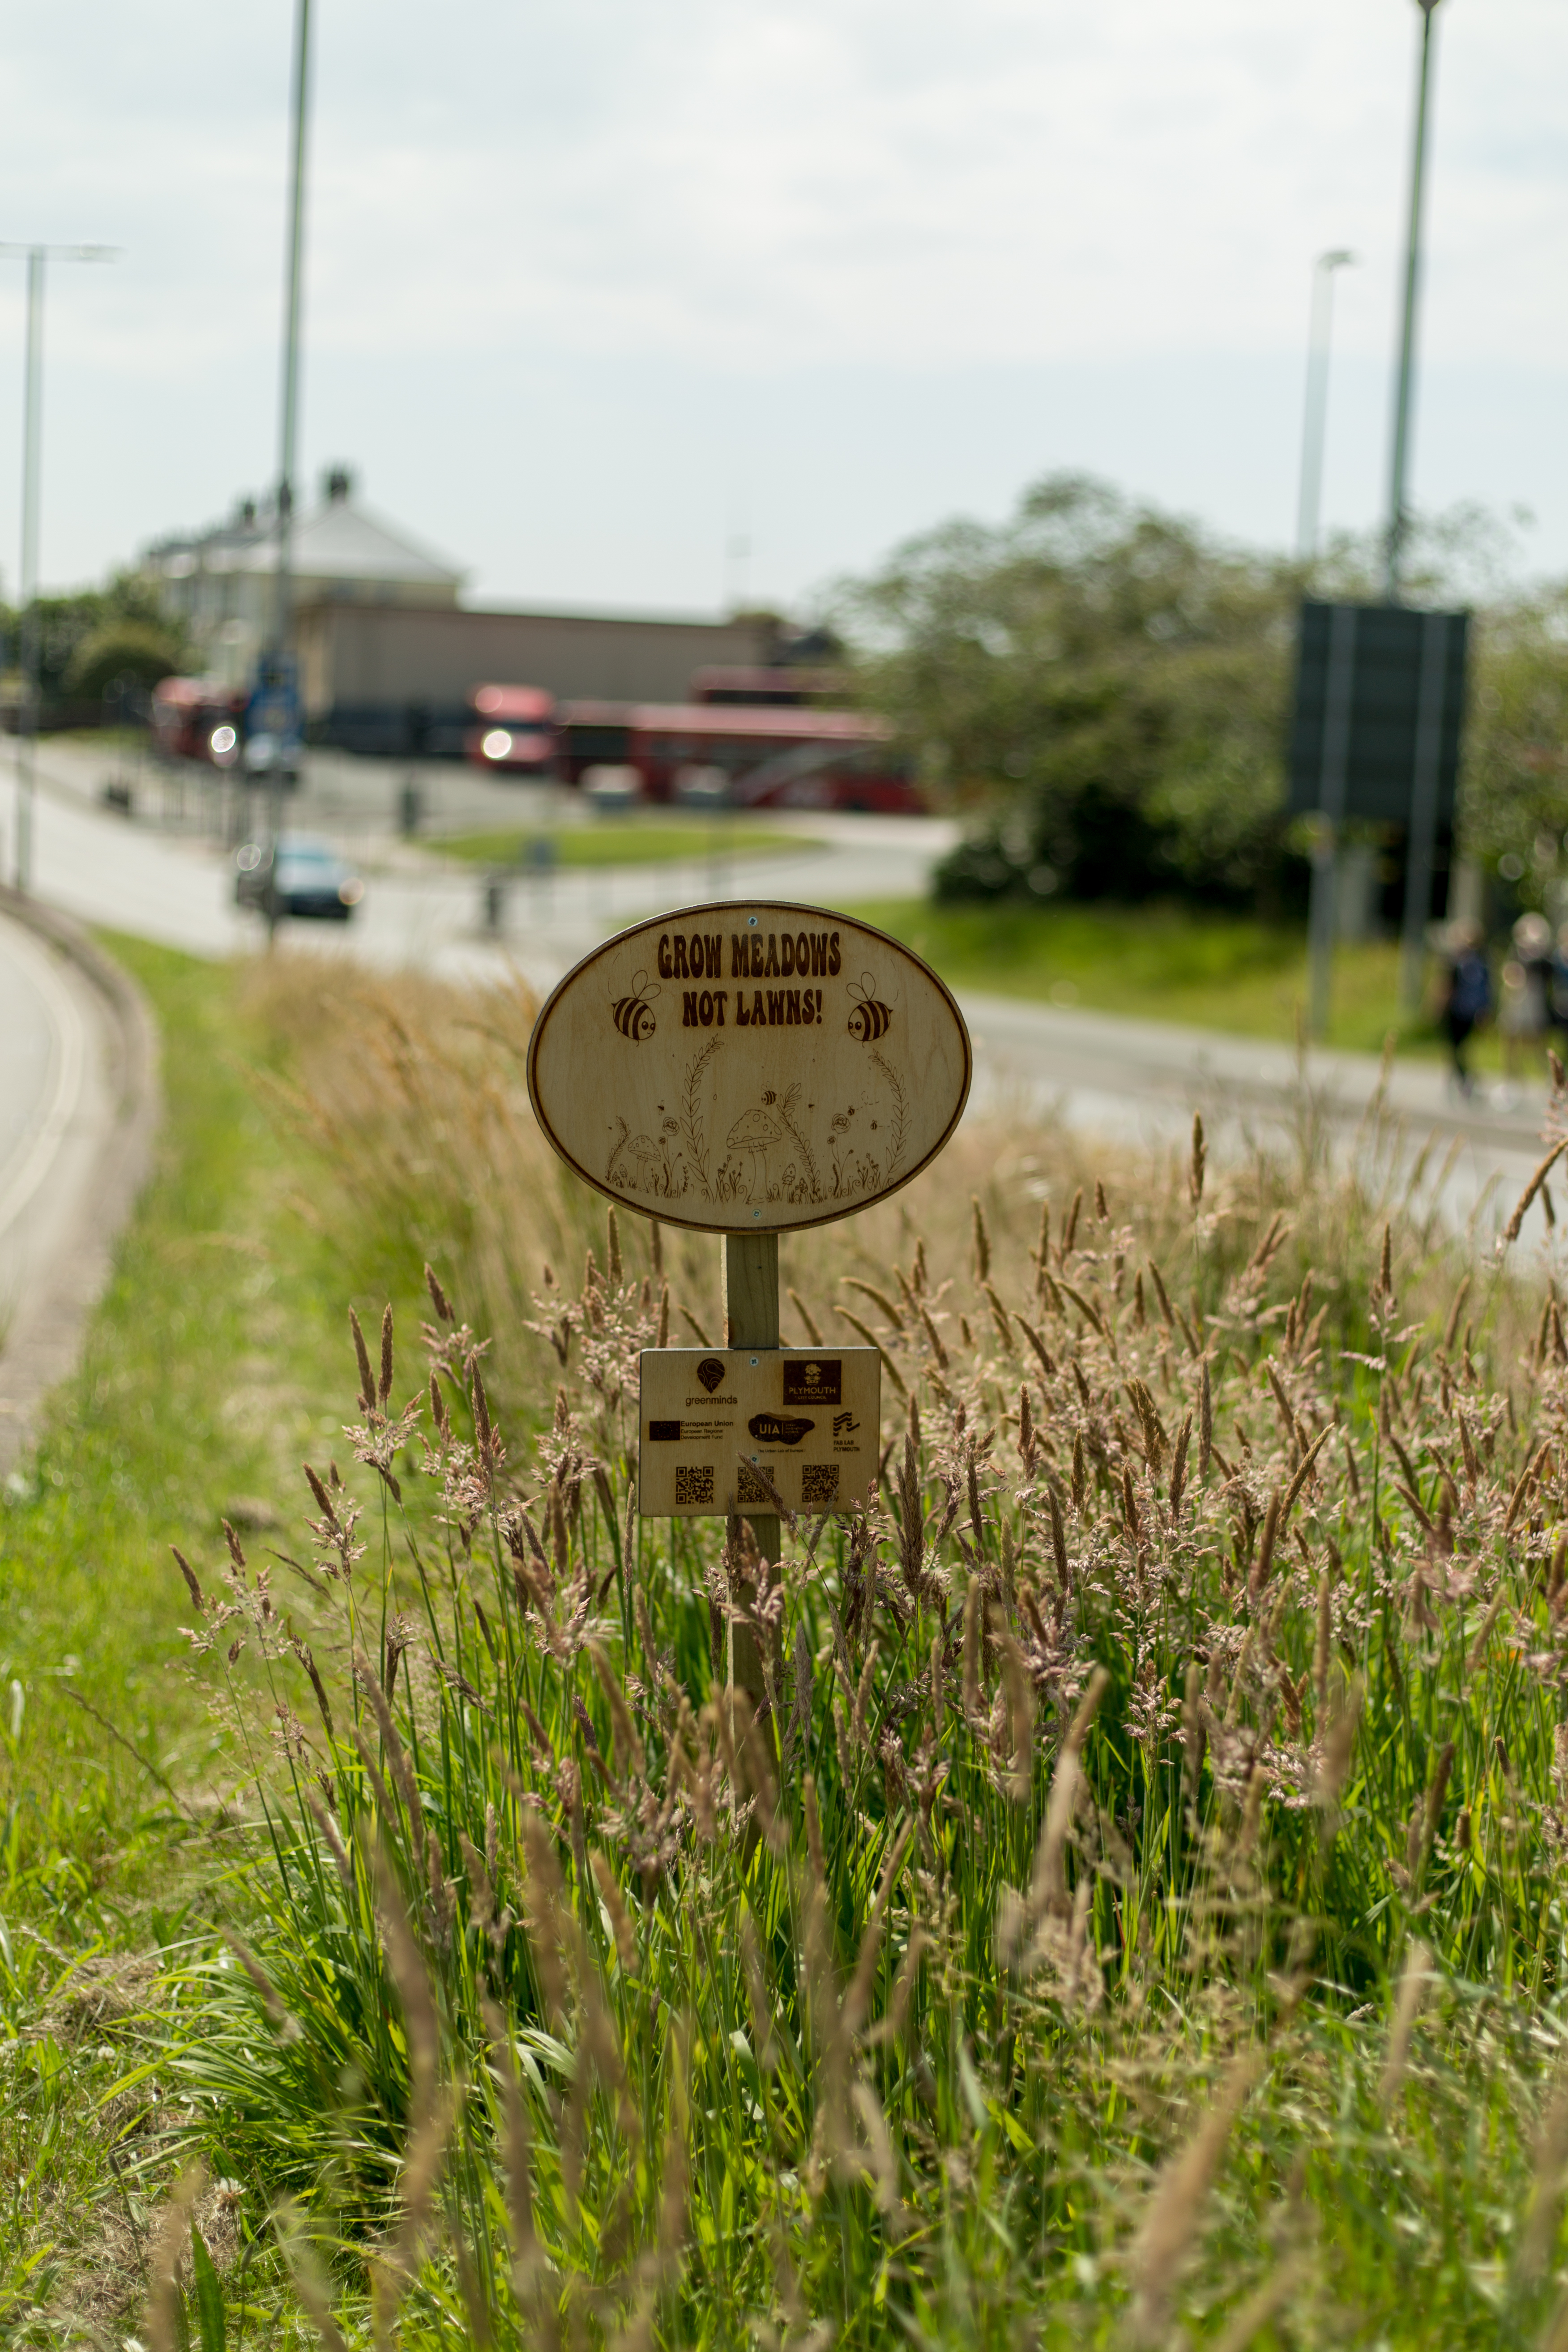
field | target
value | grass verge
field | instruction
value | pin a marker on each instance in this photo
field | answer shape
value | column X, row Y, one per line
column 1159, row 963
column 1119, row 1893
column 210, row 1366
column 1119, row 1900
column 637, row 841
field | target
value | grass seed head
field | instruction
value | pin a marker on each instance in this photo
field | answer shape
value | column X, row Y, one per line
column 1198, row 1160
column 1058, row 1547
column 1511, row 1230
column 1176, row 2203
column 165, row 2321
column 982, row 1240
column 807, row 1319
column 189, row 1573
column 361, row 1356
column 1414, row 1983
column 1179, row 1465
column 619, row 1917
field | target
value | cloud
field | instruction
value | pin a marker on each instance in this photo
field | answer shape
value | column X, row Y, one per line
column 746, row 187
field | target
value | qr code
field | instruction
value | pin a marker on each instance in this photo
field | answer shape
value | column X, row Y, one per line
column 749, row 1488
column 693, row 1485
column 820, row 1484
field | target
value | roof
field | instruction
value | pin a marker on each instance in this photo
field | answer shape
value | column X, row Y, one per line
column 338, row 541
column 342, row 541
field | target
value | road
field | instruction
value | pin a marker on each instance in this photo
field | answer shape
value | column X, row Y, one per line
column 1131, row 1080
column 42, row 1052
column 177, row 886
column 62, row 1138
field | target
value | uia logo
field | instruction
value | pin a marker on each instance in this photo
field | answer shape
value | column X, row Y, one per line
column 710, row 1371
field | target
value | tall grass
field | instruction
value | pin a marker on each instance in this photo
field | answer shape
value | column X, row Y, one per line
column 1136, row 1906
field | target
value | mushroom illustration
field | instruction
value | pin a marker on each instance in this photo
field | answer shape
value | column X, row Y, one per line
column 756, row 1132
column 649, row 1158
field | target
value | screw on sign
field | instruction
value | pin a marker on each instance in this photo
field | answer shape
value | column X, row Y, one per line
column 801, row 1066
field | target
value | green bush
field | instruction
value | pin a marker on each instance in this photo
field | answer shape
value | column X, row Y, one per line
column 133, row 650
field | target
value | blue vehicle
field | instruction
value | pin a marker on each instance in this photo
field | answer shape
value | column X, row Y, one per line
column 311, row 880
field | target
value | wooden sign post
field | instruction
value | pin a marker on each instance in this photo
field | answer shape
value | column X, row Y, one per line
column 745, row 1069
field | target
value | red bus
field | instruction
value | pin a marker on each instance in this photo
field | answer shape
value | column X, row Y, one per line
column 743, row 754
column 197, row 718
column 775, row 687
column 516, row 729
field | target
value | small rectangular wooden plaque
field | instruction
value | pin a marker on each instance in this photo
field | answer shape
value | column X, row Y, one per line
column 810, row 1417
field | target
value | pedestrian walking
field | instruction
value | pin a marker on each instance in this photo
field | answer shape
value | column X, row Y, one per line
column 1526, row 1011
column 1557, row 985
column 1467, row 994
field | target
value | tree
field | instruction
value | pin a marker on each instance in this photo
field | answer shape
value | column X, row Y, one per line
column 1514, row 790
column 1102, row 687
column 91, row 636
column 120, row 649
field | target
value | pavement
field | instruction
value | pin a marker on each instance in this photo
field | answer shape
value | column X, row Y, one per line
column 162, row 875
column 1140, row 1082
column 77, row 1111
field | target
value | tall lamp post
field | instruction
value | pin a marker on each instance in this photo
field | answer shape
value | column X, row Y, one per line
column 1398, row 515
column 1419, row 838
column 289, row 402
column 35, row 256
column 283, row 608
column 1315, row 422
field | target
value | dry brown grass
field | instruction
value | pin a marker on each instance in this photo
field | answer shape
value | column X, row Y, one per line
column 413, row 1092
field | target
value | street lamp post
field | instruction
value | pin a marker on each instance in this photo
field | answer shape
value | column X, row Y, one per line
column 1398, row 516
column 35, row 256
column 1315, row 422
column 283, row 611
column 1420, row 836
column 289, row 402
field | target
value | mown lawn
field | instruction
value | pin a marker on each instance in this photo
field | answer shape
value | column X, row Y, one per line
column 1158, row 963
column 635, row 840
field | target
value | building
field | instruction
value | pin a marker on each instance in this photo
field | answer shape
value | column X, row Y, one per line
column 395, row 680
column 221, row 584
column 388, row 656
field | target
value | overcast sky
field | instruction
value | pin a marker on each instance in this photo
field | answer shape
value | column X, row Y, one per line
column 597, row 288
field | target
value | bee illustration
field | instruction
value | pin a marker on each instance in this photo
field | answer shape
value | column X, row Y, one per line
column 871, row 1018
column 631, row 1015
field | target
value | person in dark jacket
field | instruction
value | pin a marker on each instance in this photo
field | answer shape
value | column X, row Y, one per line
column 1557, row 988
column 1467, row 994
column 1525, row 1015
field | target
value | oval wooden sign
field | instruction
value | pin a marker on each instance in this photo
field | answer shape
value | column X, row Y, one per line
column 749, row 1067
